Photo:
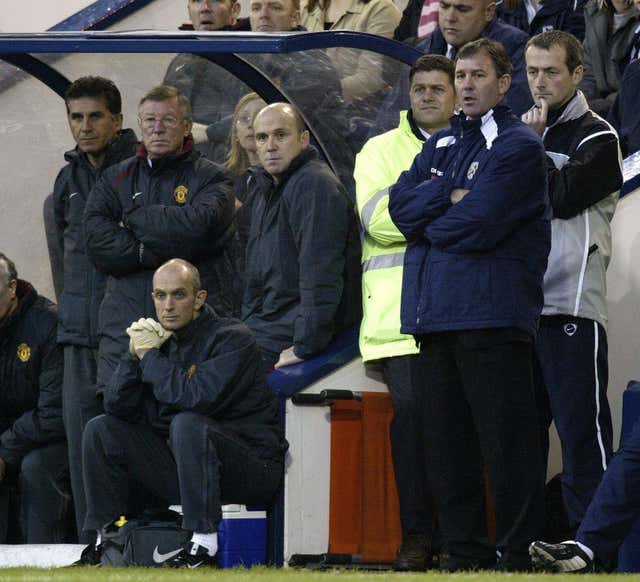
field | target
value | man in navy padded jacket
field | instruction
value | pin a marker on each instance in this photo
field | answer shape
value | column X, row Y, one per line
column 474, row 209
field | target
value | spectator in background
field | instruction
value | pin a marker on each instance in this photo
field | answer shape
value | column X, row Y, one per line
column 189, row 419
column 361, row 73
column 33, row 453
column 474, row 209
column 460, row 22
column 212, row 91
column 95, row 120
column 585, row 177
column 243, row 165
column 625, row 113
column 378, row 166
column 610, row 27
column 419, row 19
column 167, row 201
column 536, row 16
column 302, row 271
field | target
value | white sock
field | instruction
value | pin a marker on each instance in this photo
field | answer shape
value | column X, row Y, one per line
column 206, row 540
column 586, row 549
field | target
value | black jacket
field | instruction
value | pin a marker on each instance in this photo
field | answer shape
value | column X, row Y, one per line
column 303, row 259
column 212, row 367
column 139, row 216
column 30, row 377
column 83, row 286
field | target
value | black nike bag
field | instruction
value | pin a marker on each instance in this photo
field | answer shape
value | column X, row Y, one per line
column 149, row 539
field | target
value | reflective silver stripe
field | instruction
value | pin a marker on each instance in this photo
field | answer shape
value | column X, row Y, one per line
column 370, row 206
column 383, row 262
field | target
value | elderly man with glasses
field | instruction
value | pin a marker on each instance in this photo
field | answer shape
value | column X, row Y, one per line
column 165, row 202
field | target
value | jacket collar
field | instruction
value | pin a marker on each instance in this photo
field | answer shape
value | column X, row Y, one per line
column 576, row 107
column 170, row 159
column 192, row 328
column 304, row 157
column 407, row 117
column 487, row 124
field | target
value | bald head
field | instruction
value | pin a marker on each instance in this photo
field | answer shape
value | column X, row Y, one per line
column 176, row 294
column 280, row 135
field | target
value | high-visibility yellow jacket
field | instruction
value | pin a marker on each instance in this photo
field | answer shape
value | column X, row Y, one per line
column 382, row 159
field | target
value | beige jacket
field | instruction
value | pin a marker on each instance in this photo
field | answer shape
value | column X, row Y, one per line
column 360, row 71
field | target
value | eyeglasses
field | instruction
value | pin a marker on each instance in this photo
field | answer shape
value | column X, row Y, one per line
column 244, row 119
column 168, row 121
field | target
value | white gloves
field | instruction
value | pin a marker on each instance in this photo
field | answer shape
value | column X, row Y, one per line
column 146, row 334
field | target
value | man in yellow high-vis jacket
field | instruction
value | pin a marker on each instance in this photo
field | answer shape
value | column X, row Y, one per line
column 378, row 166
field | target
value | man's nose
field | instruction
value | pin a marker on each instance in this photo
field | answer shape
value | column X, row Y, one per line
column 271, row 143
column 85, row 124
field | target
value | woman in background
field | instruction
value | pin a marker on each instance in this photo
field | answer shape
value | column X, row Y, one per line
column 242, row 163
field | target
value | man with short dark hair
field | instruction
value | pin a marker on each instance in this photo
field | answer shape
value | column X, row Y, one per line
column 94, row 112
column 33, row 455
column 166, row 202
column 585, row 176
column 189, row 419
column 302, row 273
column 474, row 209
column 378, row 166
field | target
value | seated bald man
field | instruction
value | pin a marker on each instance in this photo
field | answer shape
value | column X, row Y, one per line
column 189, row 419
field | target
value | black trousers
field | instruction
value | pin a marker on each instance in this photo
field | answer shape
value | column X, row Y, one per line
column 404, row 377
column 571, row 378
column 79, row 405
column 201, row 466
column 480, row 410
column 41, row 485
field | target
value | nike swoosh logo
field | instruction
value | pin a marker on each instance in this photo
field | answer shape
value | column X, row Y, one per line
column 136, row 195
column 158, row 558
column 195, row 565
column 72, row 195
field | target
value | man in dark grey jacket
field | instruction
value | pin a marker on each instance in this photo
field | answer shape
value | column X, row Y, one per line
column 303, row 255
column 33, row 454
column 94, row 113
column 189, row 418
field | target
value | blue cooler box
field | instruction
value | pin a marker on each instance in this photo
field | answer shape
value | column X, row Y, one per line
column 242, row 536
column 629, row 554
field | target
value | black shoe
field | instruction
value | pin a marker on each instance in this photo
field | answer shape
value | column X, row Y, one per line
column 90, row 556
column 192, row 556
column 564, row 557
column 414, row 555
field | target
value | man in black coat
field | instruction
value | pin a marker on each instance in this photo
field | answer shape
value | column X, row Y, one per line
column 33, row 454
column 303, row 255
column 165, row 202
column 189, row 418
column 94, row 112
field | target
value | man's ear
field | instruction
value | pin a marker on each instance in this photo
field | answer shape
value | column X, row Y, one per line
column 504, row 83
column 577, row 74
column 490, row 12
column 295, row 19
column 305, row 139
column 188, row 125
column 118, row 117
column 201, row 297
